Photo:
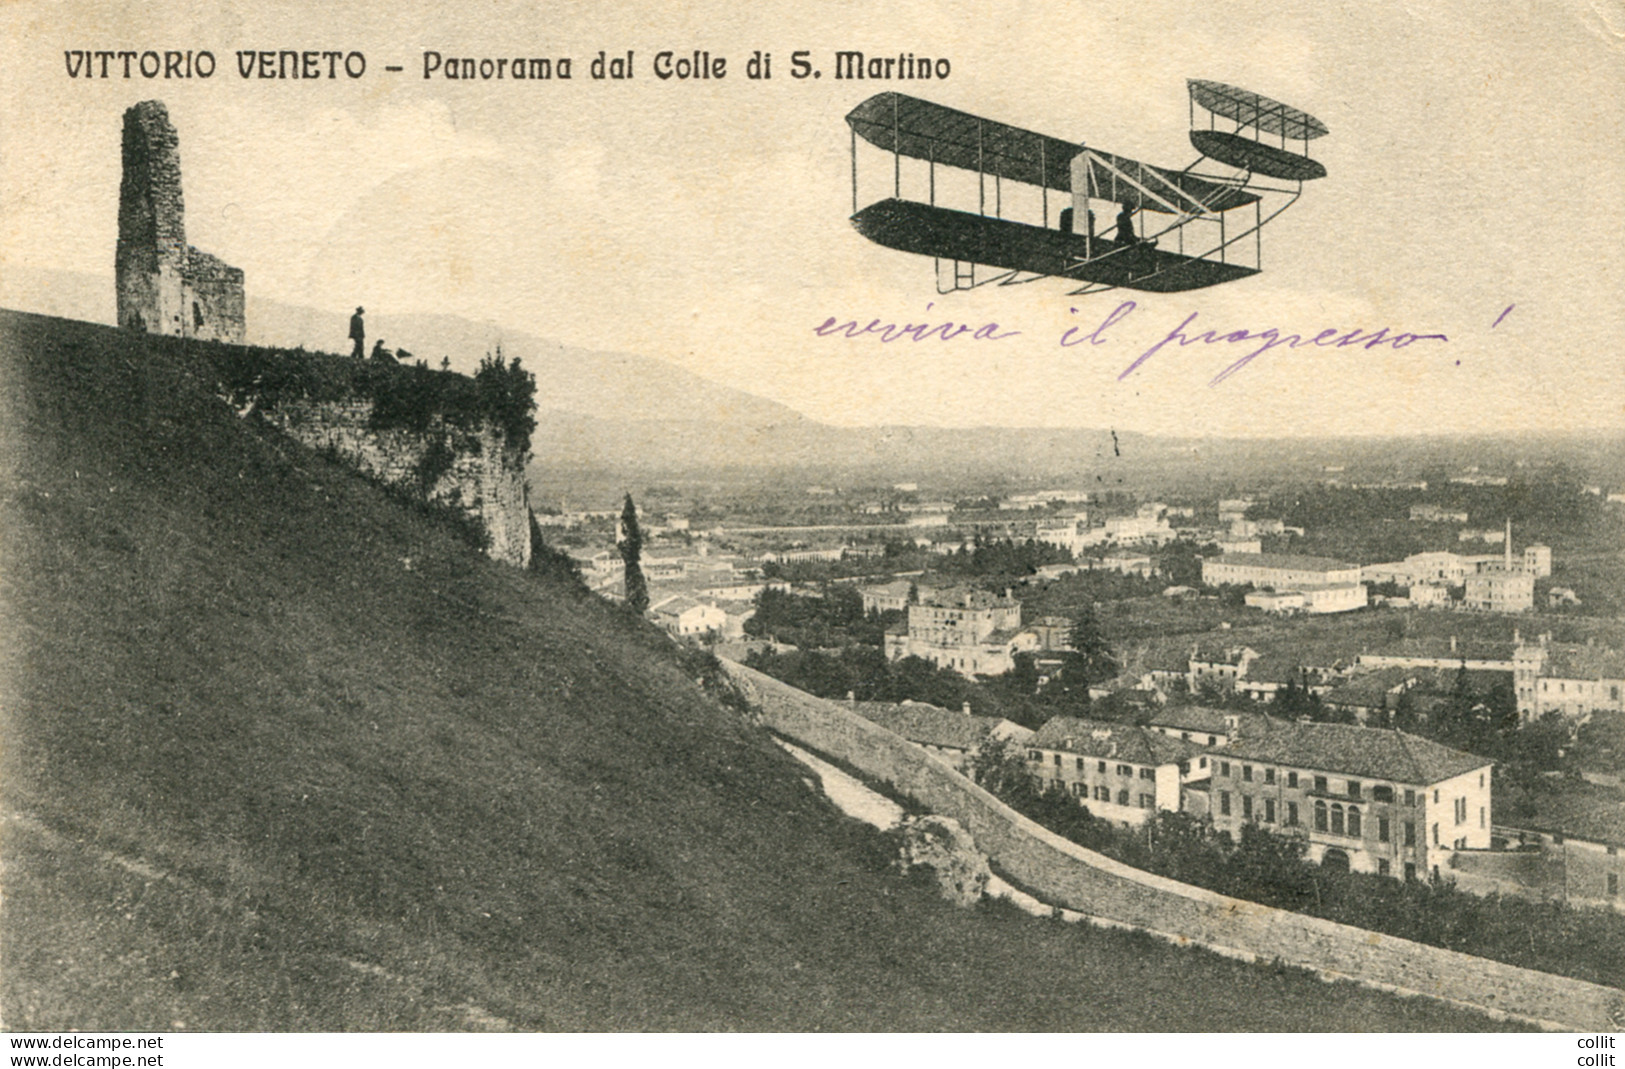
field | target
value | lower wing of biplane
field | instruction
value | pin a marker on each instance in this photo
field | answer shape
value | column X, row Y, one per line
column 1144, row 251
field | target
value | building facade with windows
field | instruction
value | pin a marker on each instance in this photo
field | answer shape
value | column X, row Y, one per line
column 1500, row 590
column 1366, row 799
column 973, row 632
column 1122, row 773
column 1567, row 678
column 1280, row 571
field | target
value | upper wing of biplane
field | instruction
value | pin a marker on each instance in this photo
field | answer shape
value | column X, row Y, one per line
column 922, row 130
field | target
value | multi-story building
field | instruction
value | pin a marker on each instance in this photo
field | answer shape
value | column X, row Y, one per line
column 1218, row 667
column 1288, row 571
column 684, row 616
column 1572, row 680
column 1367, row 798
column 973, row 632
column 1120, row 772
column 953, row 735
column 1500, row 590
column 1371, row 799
column 1537, row 560
column 887, row 597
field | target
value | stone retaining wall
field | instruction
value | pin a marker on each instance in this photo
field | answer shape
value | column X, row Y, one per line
column 483, row 478
column 1064, row 874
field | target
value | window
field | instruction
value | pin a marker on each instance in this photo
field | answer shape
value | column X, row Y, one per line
column 1211, row 741
column 1148, row 773
column 1147, row 801
column 1320, row 816
column 1337, row 820
column 1410, row 833
column 1269, row 811
column 1410, row 797
column 1224, row 768
column 1382, row 866
column 1613, row 884
column 1435, row 835
column 1320, row 784
column 1382, row 794
column 1291, row 779
column 1481, row 816
column 1103, row 794
column 1292, row 814
column 1246, row 807
column 1125, row 770
column 1080, row 764
column 1247, row 773
column 1481, row 779
column 1035, row 755
column 1354, row 821
column 1057, row 760
column 1081, row 790
column 1269, row 775
column 1435, row 796
column 1201, row 762
column 1461, row 810
column 1122, row 796
column 1382, row 829
column 1410, row 871
column 1101, row 768
column 1354, row 788
column 1224, row 803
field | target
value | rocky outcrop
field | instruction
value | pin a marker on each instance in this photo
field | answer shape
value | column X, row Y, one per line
column 940, row 844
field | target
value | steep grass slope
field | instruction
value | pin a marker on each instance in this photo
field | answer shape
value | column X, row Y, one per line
column 283, row 753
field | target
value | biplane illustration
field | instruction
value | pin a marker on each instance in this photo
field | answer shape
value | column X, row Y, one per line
column 1146, row 247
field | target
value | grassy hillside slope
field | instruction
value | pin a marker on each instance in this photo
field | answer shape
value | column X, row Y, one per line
column 282, row 753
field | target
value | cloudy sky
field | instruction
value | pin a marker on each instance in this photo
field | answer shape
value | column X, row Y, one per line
column 1474, row 161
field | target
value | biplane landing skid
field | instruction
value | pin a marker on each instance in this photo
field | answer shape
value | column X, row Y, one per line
column 929, row 230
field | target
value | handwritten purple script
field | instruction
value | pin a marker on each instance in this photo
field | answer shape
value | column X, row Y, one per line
column 1182, row 335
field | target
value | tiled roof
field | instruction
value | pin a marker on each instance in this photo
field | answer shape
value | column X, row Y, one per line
column 1345, row 749
column 1274, row 668
column 929, row 725
column 1190, row 718
column 1118, row 742
column 1368, row 688
column 1565, row 661
column 893, row 588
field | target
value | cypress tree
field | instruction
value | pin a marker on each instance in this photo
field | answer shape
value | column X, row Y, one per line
column 630, row 545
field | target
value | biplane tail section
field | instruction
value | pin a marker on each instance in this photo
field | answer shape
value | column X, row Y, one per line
column 1264, row 117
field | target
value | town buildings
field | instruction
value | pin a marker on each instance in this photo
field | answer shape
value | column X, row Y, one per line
column 1571, row 680
column 1500, row 591
column 1121, row 772
column 953, row 735
column 973, row 632
column 1295, row 583
column 1371, row 799
column 1280, row 571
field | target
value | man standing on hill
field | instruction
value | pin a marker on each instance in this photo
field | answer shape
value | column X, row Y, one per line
column 358, row 334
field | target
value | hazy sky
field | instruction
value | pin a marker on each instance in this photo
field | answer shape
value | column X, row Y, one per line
column 1475, row 156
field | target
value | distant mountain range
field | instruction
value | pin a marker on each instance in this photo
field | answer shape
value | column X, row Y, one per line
column 615, row 412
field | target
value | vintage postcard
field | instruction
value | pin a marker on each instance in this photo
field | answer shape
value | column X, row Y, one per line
column 839, row 517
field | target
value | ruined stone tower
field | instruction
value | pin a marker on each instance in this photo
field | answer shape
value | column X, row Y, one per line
column 164, row 285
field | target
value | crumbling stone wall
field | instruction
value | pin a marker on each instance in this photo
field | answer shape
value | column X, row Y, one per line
column 477, row 473
column 165, row 286
column 1064, row 874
